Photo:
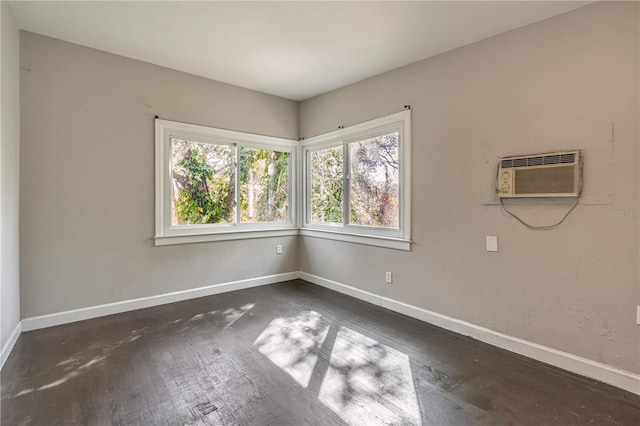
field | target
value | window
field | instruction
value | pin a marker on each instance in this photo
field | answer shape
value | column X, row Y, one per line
column 326, row 185
column 374, row 190
column 202, row 182
column 264, row 185
column 357, row 183
column 214, row 184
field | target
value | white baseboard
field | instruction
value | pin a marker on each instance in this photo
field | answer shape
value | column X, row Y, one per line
column 81, row 314
column 573, row 363
column 341, row 288
column 8, row 347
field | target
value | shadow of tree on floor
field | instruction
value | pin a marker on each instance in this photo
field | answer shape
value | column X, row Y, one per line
column 360, row 379
column 96, row 354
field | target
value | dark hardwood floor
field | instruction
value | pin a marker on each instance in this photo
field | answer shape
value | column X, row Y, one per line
column 286, row 354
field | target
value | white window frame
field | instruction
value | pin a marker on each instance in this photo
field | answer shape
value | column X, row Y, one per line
column 166, row 233
column 377, row 236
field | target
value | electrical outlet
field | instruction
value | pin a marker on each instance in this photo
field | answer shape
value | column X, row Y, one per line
column 279, row 249
column 388, row 277
column 638, row 316
column 492, row 243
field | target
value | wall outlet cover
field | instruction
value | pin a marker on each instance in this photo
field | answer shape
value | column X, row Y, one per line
column 492, row 243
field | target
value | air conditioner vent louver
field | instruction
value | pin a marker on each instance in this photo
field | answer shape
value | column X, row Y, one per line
column 539, row 160
column 557, row 174
column 551, row 159
column 535, row 161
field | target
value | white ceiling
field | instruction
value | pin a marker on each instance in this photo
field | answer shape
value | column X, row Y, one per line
column 296, row 50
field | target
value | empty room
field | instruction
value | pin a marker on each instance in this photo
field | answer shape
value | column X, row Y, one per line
column 320, row 213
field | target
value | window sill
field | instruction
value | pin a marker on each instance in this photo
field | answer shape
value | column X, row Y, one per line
column 369, row 240
column 222, row 236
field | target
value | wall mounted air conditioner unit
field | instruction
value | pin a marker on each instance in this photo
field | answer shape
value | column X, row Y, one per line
column 557, row 174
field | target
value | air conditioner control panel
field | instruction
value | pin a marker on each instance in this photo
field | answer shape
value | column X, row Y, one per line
column 505, row 183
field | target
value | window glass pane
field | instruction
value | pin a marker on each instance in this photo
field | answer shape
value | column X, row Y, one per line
column 374, row 182
column 326, row 185
column 202, row 177
column 264, row 185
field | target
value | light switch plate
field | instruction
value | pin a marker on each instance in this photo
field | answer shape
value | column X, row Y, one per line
column 638, row 316
column 492, row 243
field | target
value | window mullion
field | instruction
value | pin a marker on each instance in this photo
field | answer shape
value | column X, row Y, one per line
column 346, row 176
column 308, row 185
column 236, row 188
column 304, row 185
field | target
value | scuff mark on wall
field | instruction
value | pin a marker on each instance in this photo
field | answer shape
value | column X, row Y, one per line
column 607, row 331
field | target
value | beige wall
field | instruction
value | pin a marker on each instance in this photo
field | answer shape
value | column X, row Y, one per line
column 556, row 84
column 87, row 178
column 9, row 173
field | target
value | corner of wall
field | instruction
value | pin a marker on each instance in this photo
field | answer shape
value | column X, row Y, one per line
column 9, row 178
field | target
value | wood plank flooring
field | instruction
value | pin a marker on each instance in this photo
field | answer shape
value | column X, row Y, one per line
column 287, row 354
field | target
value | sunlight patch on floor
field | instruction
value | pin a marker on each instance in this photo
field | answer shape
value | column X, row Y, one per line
column 292, row 343
column 233, row 315
column 58, row 382
column 369, row 383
